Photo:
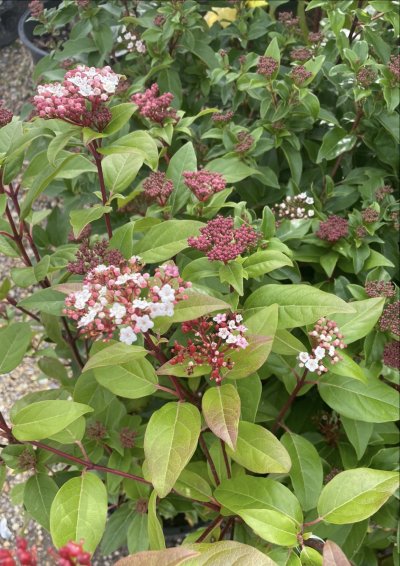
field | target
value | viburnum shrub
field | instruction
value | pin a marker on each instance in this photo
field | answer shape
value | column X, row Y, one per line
column 201, row 207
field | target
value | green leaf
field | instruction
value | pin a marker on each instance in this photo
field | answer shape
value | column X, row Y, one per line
column 39, row 493
column 310, row 557
column 298, row 304
column 169, row 442
column 265, row 261
column 79, row 512
column 81, row 218
column 165, row 240
column 59, row 142
column 335, row 142
column 167, row 557
column 249, row 390
column 114, row 354
column 259, row 451
column 348, row 368
column 232, row 168
column 373, row 401
column 294, row 159
column 154, row 528
column 250, row 492
column 122, row 240
column 120, row 169
column 272, row 526
column 251, row 358
column 314, row 66
column 183, row 160
column 115, row 533
column 286, row 344
column 221, row 411
column 193, row 486
column 14, row 341
column 120, row 115
column 137, row 141
column 47, row 301
column 45, row 418
column 200, row 268
column 197, row 305
column 306, row 473
column 232, row 273
column 354, row 495
column 137, row 535
column 132, row 380
column 358, row 433
column 71, row 433
column 262, row 321
column 362, row 321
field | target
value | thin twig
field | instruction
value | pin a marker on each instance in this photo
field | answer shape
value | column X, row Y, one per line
column 289, row 402
column 226, row 459
column 209, row 459
column 210, row 528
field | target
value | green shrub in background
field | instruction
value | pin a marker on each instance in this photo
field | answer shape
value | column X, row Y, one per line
column 212, row 281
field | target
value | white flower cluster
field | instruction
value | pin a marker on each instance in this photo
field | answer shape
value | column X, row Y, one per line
column 132, row 43
column 90, row 81
column 226, row 331
column 298, row 206
column 329, row 339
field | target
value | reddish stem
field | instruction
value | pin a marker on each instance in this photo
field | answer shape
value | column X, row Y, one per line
column 210, row 528
column 289, row 402
column 210, row 461
column 226, row 459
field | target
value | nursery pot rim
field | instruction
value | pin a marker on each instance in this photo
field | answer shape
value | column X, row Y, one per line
column 36, row 51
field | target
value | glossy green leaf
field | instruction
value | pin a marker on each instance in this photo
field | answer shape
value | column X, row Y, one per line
column 132, row 380
column 259, row 451
column 47, row 301
column 358, row 434
column 183, row 160
column 170, row 440
column 45, row 418
column 114, row 354
column 79, row 512
column 81, row 218
column 354, row 495
column 358, row 324
column 193, row 486
column 251, row 358
column 233, row 274
column 310, row 557
column 154, row 528
column 221, row 411
column 137, row 535
column 14, row 341
column 272, row 526
column 39, row 493
column 120, row 169
column 265, row 261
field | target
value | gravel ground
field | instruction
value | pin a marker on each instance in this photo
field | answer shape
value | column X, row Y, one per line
column 16, row 87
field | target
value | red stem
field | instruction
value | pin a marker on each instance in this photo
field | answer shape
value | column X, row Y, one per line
column 13, row 302
column 226, row 459
column 97, row 158
column 289, row 402
column 210, row 461
column 210, row 528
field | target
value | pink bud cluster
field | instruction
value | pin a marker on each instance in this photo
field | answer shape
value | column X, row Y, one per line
column 245, row 142
column 71, row 554
column 80, row 98
column 212, row 341
column 298, row 206
column 327, row 340
column 267, row 66
column 222, row 242
column 288, row 19
column 88, row 257
column 390, row 319
column 220, row 117
column 157, row 187
column 5, row 115
column 122, row 299
column 391, row 354
column 156, row 108
column 300, row 74
column 394, row 67
column 366, row 76
column 370, row 215
column 380, row 289
column 333, row 229
column 301, row 54
column 381, row 193
column 203, row 183
column 36, row 8
column 315, row 37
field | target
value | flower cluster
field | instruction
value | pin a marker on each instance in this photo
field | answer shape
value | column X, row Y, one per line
column 121, row 298
column 390, row 319
column 394, row 67
column 71, row 554
column 327, row 340
column 26, row 556
column 127, row 437
column 267, row 66
column 159, row 20
column 301, row 54
column 380, row 289
column 204, row 184
column 130, row 41
column 222, row 242
column 299, row 74
column 288, row 19
column 36, row 8
column 245, row 141
column 156, row 108
column 370, row 215
column 381, row 193
column 80, row 97
column 211, row 344
column 299, row 206
column 220, row 117
column 82, row 3
column 366, row 76
column 157, row 187
column 391, row 354
column 5, row 115
column 315, row 37
column 88, row 257
column 333, row 229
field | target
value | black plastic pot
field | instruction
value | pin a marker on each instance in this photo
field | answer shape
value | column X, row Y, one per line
column 25, row 32
column 10, row 13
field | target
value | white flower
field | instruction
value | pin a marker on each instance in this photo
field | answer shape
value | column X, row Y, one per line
column 221, row 317
column 100, row 268
column 128, row 35
column 319, row 353
column 241, row 342
column 140, row 46
column 123, row 29
column 82, row 297
column 88, row 318
column 140, row 304
column 117, row 311
column 304, row 357
column 331, row 351
column 232, row 339
column 223, row 333
column 310, row 213
column 238, row 318
column 232, row 324
column 169, row 309
column 129, row 45
column 109, row 82
column 312, row 365
column 5, row 532
column 303, row 196
column 309, row 200
column 144, row 323
column 166, row 294
column 127, row 336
